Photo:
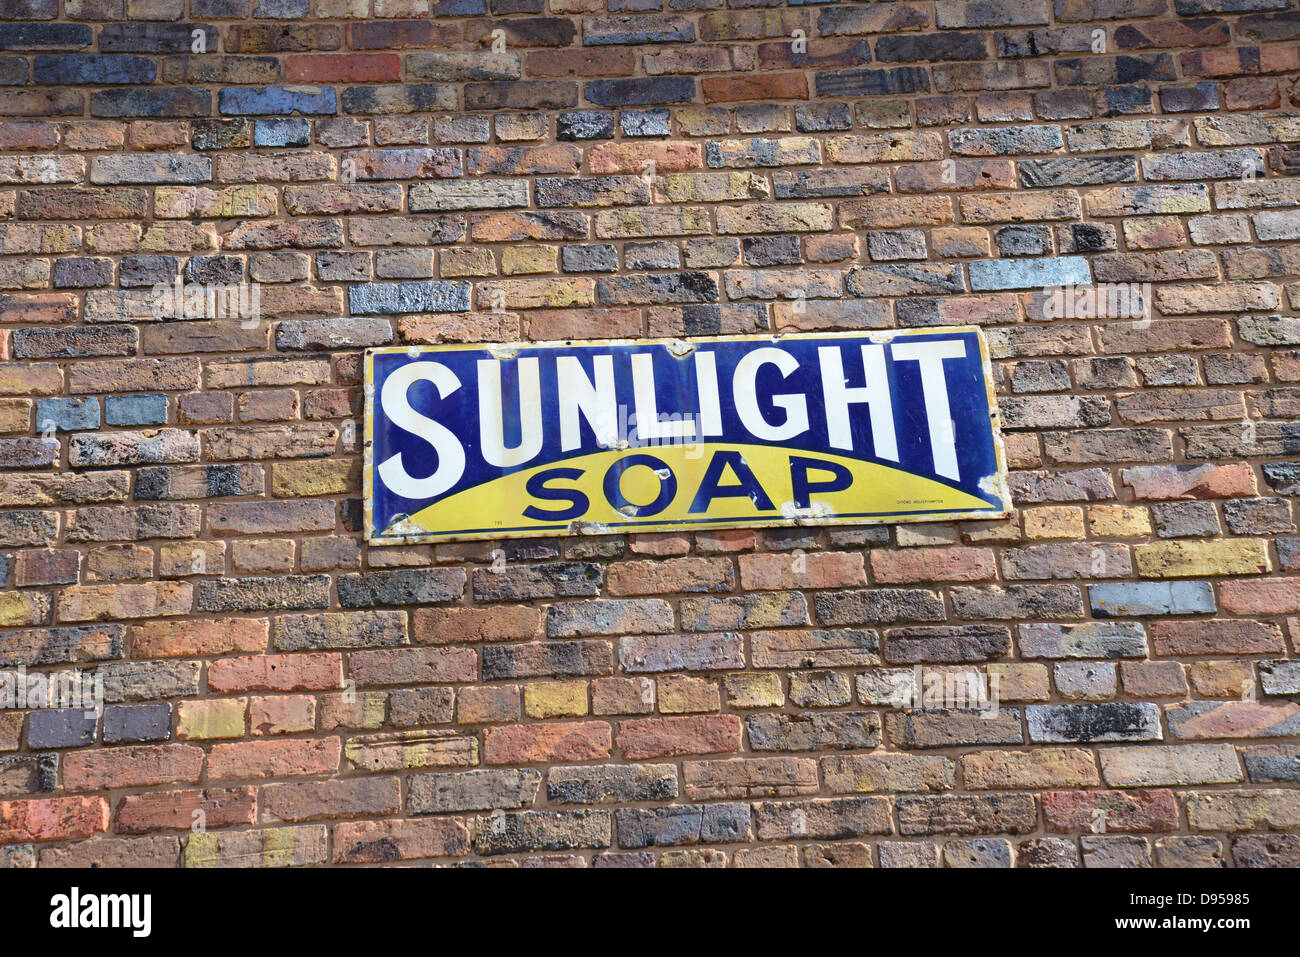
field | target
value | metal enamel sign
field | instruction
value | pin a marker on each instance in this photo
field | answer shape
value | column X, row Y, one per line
column 559, row 438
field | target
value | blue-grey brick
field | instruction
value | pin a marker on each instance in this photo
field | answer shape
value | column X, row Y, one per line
column 282, row 131
column 1272, row 763
column 288, row 592
column 135, row 409
column 281, row 9
column 44, row 36
column 82, row 272
column 1104, row 721
column 178, row 101
column 155, row 37
column 1089, row 639
column 13, row 71
column 1136, row 599
column 215, row 270
column 1202, row 97
column 683, row 824
column 89, row 68
column 903, row 79
column 980, row 852
column 477, row 790
column 67, row 415
column 392, row 298
column 1183, row 519
column 403, row 587
column 1280, row 677
column 640, row 91
column 644, row 122
column 1023, row 240
column 606, row 783
column 992, row 274
column 600, row 257
column 822, row 117
column 150, row 168
column 61, row 728
column 141, row 722
column 135, row 272
column 276, row 100
column 584, row 125
column 637, row 30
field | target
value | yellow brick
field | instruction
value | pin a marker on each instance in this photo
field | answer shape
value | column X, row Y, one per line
column 323, row 477
column 1054, row 521
column 202, row 720
column 113, row 237
column 1241, row 556
column 180, row 559
column 555, row 699
column 1002, row 532
column 549, row 293
column 679, row 694
column 761, row 689
column 467, row 262
column 1019, row 681
column 15, row 415
column 516, row 260
column 1119, row 521
column 178, row 237
column 1222, row 679
column 23, row 608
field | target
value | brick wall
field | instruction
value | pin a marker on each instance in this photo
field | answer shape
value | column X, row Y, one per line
column 181, row 498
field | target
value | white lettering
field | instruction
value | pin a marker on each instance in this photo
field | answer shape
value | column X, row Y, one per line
column 751, row 416
column 451, row 455
column 491, row 426
column 597, row 402
column 875, row 393
column 934, row 390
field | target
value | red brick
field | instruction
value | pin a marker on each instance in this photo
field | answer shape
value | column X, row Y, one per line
column 1265, row 596
column 176, row 810
column 1216, row 636
column 768, row 86
column 250, row 760
column 345, row 68
column 140, row 766
column 1067, row 812
column 52, row 819
column 373, row 842
column 562, row 742
column 927, row 564
column 443, row 626
column 786, row 570
column 305, row 672
column 198, row 637
column 641, row 738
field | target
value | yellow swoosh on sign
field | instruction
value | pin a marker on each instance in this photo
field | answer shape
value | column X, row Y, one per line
column 876, row 490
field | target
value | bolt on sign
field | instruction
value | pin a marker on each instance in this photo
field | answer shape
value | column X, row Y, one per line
column 557, row 438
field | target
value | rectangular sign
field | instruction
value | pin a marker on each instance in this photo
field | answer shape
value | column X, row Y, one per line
column 560, row 438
